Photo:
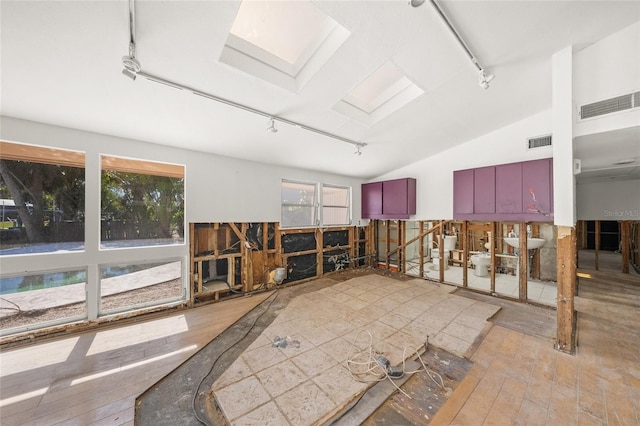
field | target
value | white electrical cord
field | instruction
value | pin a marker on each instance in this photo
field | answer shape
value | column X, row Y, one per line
column 369, row 366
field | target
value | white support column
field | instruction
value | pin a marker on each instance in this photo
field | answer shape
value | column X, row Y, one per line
column 564, row 186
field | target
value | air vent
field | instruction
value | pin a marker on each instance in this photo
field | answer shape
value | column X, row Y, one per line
column 619, row 103
column 539, row 142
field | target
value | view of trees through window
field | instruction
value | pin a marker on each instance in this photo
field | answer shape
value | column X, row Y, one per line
column 41, row 203
column 141, row 207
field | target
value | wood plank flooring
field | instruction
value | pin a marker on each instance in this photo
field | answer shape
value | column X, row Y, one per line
column 95, row 377
column 521, row 379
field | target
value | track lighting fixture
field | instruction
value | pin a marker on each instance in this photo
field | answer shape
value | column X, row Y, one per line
column 133, row 69
column 272, row 126
column 485, row 79
column 416, row 3
column 357, row 151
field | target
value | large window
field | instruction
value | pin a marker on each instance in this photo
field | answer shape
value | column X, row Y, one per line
column 138, row 285
column 299, row 204
column 42, row 199
column 33, row 300
column 335, row 205
column 142, row 203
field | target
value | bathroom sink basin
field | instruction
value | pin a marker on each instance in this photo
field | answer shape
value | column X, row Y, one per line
column 532, row 243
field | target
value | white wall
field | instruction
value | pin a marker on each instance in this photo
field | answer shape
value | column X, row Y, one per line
column 606, row 69
column 218, row 189
column 435, row 174
column 562, row 116
column 609, row 200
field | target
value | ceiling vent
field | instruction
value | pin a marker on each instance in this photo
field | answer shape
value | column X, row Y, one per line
column 619, row 103
column 539, row 142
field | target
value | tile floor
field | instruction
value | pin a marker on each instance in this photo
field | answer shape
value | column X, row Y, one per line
column 543, row 292
column 309, row 382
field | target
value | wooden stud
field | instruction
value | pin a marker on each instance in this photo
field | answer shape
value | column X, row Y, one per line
column 319, row 252
column 465, row 253
column 597, row 247
column 535, row 264
column 278, row 246
column 441, row 252
column 421, row 249
column 523, row 259
column 566, row 279
column 624, row 240
column 492, row 251
column 192, row 255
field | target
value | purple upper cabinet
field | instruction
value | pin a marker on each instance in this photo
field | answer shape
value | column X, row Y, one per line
column 484, row 190
column 537, row 188
column 391, row 199
column 462, row 192
column 509, row 188
column 371, row 199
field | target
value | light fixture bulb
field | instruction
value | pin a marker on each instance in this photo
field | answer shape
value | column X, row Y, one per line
column 357, row 151
column 129, row 74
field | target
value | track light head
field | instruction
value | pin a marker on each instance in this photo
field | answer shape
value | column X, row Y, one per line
column 129, row 74
column 416, row 3
column 272, row 126
column 357, row 151
column 485, row 79
column 131, row 63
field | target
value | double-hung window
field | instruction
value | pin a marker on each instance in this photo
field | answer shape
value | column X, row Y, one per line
column 335, row 205
column 299, row 203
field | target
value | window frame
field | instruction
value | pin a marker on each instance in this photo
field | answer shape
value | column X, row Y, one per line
column 324, row 205
column 315, row 206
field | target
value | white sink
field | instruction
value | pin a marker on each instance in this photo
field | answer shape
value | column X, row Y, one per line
column 532, row 243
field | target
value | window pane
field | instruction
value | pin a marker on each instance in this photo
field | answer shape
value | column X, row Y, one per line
column 335, row 216
column 293, row 216
column 142, row 203
column 41, row 299
column 298, row 204
column 335, row 202
column 139, row 285
column 41, row 199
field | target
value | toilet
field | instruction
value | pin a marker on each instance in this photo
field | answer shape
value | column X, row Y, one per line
column 481, row 261
column 435, row 258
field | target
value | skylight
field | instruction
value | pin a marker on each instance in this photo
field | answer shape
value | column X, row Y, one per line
column 385, row 91
column 285, row 43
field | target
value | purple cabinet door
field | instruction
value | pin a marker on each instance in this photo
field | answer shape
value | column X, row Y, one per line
column 484, row 190
column 371, row 199
column 462, row 192
column 509, row 188
column 537, row 186
column 395, row 197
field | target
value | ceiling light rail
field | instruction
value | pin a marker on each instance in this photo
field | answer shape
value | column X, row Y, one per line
column 133, row 69
column 484, row 78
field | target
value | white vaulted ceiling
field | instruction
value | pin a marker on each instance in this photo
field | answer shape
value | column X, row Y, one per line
column 61, row 64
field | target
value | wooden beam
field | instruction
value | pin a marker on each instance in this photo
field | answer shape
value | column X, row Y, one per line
column 421, row 249
column 566, row 279
column 523, row 259
column 237, row 231
column 192, row 255
column 597, row 248
column 464, row 232
column 319, row 252
column 492, row 251
column 441, row 252
column 625, row 240
column 535, row 264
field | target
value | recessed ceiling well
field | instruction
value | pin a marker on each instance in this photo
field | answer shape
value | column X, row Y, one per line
column 284, row 43
column 382, row 93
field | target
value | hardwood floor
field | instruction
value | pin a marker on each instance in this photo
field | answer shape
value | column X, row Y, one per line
column 95, row 377
column 521, row 379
